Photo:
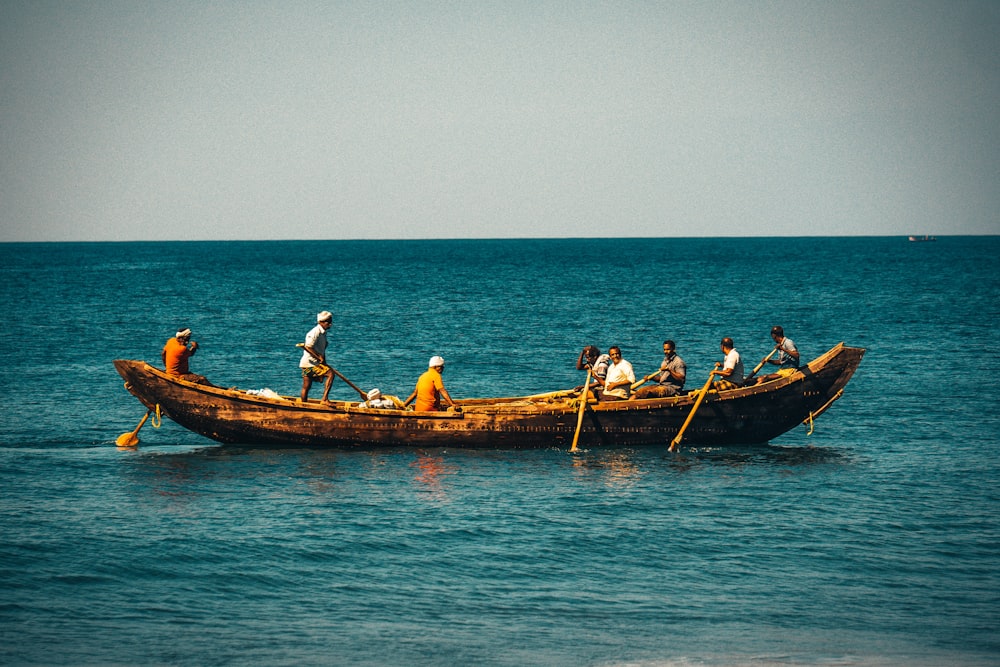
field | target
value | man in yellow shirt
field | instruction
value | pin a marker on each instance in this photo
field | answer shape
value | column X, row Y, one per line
column 430, row 388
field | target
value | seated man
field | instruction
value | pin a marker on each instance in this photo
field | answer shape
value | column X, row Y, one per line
column 430, row 388
column 732, row 368
column 591, row 358
column 788, row 356
column 673, row 373
column 175, row 355
column 620, row 377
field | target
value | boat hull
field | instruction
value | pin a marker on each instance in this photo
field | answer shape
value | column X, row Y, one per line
column 749, row 415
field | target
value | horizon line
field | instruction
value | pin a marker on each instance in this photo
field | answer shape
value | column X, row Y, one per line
column 492, row 239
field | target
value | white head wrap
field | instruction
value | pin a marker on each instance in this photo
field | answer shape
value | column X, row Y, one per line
column 435, row 361
column 324, row 316
column 186, row 333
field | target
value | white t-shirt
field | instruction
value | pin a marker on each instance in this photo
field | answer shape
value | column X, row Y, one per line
column 316, row 339
column 734, row 361
column 619, row 373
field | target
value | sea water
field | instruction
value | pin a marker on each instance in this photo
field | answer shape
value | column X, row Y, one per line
column 874, row 539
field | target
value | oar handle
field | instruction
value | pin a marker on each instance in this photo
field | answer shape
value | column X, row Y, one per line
column 761, row 364
column 353, row 386
column 636, row 385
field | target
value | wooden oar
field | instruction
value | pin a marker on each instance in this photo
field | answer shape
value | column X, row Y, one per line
column 584, row 397
column 760, row 365
column 364, row 395
column 704, row 390
column 131, row 439
column 562, row 393
column 353, row 386
column 636, row 385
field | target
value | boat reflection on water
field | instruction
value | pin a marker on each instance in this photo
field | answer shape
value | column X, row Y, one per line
column 432, row 471
column 758, row 455
column 623, row 468
column 615, row 469
column 178, row 478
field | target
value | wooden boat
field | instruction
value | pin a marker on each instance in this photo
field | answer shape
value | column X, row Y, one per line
column 747, row 415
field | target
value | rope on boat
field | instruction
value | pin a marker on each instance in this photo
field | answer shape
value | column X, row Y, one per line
column 157, row 418
column 817, row 413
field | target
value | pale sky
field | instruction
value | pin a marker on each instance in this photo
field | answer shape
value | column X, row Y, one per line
column 173, row 120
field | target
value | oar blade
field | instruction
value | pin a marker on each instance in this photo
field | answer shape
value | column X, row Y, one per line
column 131, row 439
column 127, row 440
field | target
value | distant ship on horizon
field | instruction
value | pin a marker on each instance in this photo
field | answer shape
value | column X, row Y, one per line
column 925, row 237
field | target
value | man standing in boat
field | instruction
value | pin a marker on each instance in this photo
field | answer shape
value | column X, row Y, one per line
column 732, row 368
column 175, row 357
column 620, row 377
column 430, row 388
column 313, row 362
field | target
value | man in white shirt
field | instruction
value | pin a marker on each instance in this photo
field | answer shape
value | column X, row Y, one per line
column 732, row 368
column 620, row 377
column 313, row 362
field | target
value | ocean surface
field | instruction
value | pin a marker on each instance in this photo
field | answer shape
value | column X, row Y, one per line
column 874, row 540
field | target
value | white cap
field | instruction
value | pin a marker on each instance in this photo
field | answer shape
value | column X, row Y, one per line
column 374, row 394
column 324, row 316
column 185, row 333
column 435, row 361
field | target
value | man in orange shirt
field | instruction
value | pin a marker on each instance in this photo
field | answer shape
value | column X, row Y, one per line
column 175, row 356
column 430, row 388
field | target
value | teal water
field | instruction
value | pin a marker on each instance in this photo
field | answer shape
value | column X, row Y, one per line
column 873, row 541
